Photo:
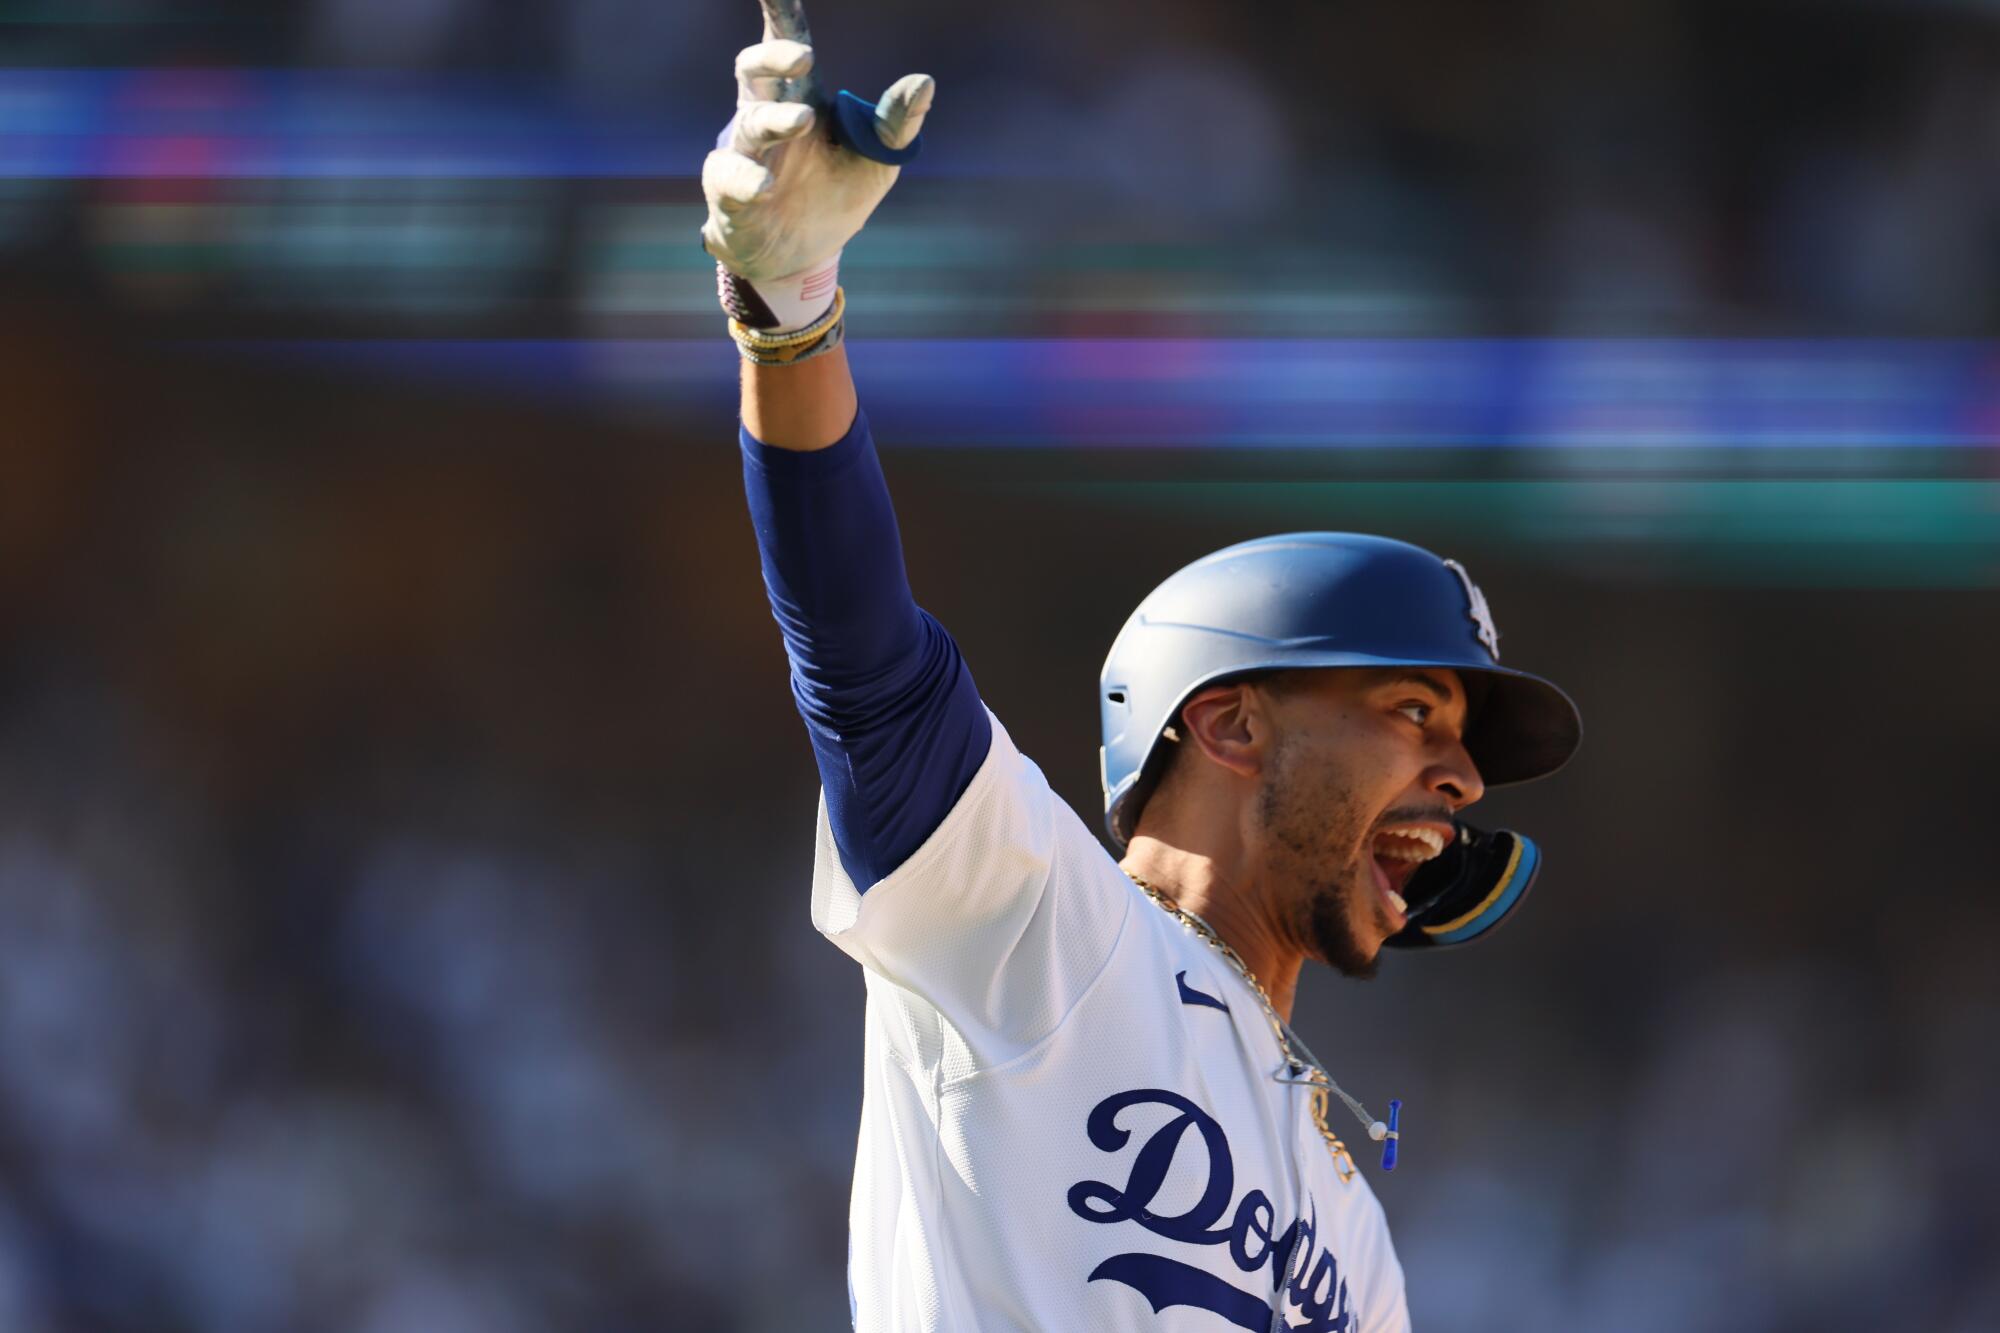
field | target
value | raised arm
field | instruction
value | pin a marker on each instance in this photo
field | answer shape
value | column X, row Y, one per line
column 895, row 721
column 801, row 408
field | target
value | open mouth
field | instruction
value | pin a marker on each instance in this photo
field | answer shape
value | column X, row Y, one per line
column 1397, row 853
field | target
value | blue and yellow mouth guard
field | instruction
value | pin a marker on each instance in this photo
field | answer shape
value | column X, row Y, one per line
column 1468, row 889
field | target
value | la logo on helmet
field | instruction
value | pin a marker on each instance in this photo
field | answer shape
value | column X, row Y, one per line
column 1482, row 615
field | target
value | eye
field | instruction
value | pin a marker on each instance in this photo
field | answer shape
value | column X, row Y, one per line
column 1419, row 713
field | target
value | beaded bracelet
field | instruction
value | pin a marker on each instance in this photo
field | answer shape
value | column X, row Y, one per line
column 792, row 356
column 787, row 349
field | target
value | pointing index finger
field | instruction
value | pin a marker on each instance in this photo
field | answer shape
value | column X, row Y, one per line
column 787, row 18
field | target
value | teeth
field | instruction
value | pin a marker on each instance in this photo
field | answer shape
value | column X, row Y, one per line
column 1401, row 906
column 1409, row 844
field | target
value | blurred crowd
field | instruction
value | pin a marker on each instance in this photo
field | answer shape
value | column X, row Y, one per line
column 404, row 829
column 412, row 1078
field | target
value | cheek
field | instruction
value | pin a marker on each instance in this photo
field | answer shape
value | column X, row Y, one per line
column 1327, row 790
column 1385, row 765
column 1371, row 772
column 1325, row 807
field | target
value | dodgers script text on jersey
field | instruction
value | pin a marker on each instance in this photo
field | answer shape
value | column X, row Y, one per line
column 1069, row 1119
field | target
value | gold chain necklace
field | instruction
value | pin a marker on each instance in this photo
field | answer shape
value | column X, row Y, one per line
column 1300, row 1064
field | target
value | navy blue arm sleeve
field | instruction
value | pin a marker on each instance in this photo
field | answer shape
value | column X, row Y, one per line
column 895, row 720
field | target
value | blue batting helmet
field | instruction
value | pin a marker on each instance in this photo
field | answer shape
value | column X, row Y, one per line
column 1316, row 599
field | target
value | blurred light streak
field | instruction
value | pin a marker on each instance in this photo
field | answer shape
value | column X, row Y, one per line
column 1662, row 449
column 249, row 123
column 234, row 121
column 1815, row 532
column 1654, row 395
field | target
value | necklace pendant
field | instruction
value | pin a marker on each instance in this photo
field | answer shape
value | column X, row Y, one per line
column 1296, row 1070
column 1343, row 1161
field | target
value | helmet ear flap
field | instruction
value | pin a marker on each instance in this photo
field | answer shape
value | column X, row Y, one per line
column 1164, row 747
column 1468, row 890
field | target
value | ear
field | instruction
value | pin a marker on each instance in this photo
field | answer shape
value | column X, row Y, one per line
column 1229, row 725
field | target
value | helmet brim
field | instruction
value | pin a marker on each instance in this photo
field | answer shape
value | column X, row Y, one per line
column 1522, row 727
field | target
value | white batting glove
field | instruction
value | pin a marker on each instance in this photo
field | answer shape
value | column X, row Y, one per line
column 784, row 195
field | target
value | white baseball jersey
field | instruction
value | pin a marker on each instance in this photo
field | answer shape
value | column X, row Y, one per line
column 1069, row 1121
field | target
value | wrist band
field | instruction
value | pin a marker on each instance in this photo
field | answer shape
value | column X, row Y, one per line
column 779, row 305
column 785, row 349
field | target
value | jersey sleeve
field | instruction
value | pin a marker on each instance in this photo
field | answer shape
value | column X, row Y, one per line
column 1386, row 1307
column 1001, row 921
column 945, row 866
column 895, row 721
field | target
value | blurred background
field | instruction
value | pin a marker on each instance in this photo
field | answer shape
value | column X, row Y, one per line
column 404, row 829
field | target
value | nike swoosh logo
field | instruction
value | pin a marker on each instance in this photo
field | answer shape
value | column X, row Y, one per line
column 1189, row 995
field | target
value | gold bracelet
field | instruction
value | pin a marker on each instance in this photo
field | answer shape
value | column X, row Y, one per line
column 791, row 356
column 756, row 340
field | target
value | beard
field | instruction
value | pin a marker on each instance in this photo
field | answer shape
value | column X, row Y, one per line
column 1330, row 928
column 1317, row 823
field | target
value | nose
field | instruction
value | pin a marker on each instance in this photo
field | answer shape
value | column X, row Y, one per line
column 1455, row 777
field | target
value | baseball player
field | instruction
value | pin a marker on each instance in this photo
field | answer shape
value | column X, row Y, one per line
column 1084, row 1106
